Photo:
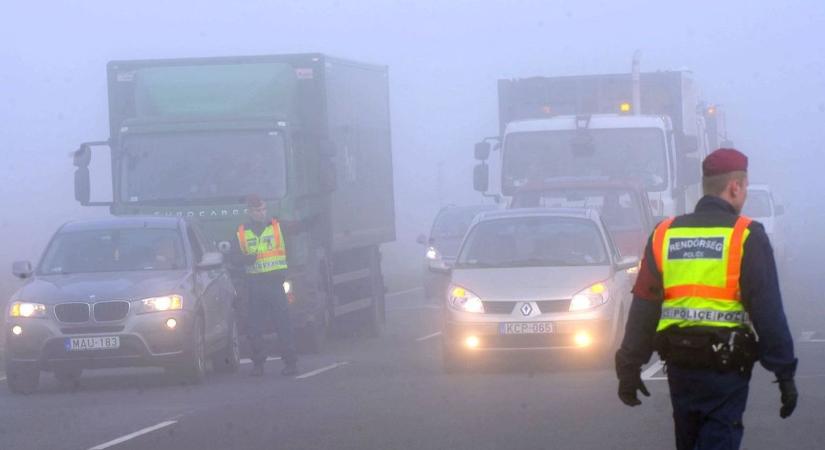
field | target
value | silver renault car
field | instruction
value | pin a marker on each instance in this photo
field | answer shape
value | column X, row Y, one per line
column 120, row 292
column 536, row 279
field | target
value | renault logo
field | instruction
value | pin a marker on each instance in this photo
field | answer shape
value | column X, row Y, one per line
column 526, row 309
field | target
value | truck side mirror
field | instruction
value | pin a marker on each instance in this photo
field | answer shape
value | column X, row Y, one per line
column 481, row 177
column 482, row 150
column 82, row 156
column 82, row 189
column 689, row 171
column 687, row 143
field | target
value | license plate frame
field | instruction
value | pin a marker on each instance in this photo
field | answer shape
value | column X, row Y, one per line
column 522, row 328
column 91, row 343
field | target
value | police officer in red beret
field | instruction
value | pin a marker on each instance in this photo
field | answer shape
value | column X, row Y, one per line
column 707, row 287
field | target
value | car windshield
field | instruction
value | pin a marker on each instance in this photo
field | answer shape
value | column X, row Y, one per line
column 625, row 153
column 202, row 166
column 758, row 204
column 452, row 223
column 533, row 241
column 619, row 209
column 114, row 250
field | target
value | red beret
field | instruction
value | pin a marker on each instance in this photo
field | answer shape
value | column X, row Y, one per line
column 254, row 201
column 724, row 160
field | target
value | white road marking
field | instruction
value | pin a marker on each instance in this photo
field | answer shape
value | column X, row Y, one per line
column 400, row 293
column 321, row 370
column 652, row 370
column 429, row 336
column 249, row 361
column 130, row 436
column 808, row 336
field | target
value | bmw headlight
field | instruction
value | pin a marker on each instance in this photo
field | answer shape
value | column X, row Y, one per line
column 27, row 309
column 464, row 300
column 159, row 304
column 593, row 296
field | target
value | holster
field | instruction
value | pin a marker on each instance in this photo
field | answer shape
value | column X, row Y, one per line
column 722, row 349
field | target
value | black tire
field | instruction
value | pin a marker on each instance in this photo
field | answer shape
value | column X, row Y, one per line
column 68, row 376
column 192, row 366
column 22, row 378
column 228, row 358
column 375, row 314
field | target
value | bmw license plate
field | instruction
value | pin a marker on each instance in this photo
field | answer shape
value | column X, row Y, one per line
column 80, row 344
column 525, row 328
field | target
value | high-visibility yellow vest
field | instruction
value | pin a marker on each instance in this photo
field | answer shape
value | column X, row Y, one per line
column 268, row 248
column 700, row 268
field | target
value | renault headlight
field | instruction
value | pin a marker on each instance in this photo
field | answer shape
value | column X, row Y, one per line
column 593, row 296
column 159, row 304
column 464, row 300
column 27, row 309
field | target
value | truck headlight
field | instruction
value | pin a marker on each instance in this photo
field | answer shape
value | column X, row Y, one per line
column 159, row 304
column 593, row 296
column 464, row 300
column 27, row 310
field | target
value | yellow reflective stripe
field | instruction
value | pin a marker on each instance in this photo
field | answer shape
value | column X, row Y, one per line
column 268, row 248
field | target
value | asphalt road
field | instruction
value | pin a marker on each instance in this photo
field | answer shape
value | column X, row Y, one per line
column 390, row 393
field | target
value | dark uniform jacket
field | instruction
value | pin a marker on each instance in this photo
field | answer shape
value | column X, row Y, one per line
column 759, row 287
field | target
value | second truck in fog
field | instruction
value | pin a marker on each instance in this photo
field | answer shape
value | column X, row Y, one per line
column 308, row 133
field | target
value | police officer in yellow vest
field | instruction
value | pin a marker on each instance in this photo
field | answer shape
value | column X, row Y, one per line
column 262, row 252
column 707, row 282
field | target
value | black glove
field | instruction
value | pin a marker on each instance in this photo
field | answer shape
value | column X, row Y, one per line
column 789, row 397
column 629, row 383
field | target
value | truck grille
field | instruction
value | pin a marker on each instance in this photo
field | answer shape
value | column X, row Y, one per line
column 553, row 306
column 498, row 307
column 110, row 311
column 72, row 312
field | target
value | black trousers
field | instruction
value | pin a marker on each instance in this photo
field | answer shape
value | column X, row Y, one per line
column 267, row 304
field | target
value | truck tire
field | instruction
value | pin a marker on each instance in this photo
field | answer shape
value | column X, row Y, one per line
column 192, row 366
column 228, row 358
column 22, row 378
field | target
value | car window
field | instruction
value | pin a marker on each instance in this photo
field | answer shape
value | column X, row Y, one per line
column 758, row 204
column 619, row 209
column 113, row 251
column 533, row 241
column 452, row 223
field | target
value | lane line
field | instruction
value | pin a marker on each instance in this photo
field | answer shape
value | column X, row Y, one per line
column 321, row 370
column 405, row 292
column 249, row 361
column 429, row 336
column 130, row 436
column 652, row 369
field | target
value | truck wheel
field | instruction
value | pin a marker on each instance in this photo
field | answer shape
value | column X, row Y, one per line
column 228, row 359
column 192, row 366
column 22, row 378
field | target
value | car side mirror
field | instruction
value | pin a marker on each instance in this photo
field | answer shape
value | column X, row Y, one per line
column 421, row 239
column 22, row 269
column 211, row 260
column 779, row 210
column 481, row 177
column 482, row 150
column 628, row 262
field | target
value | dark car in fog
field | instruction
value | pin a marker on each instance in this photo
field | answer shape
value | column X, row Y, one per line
column 449, row 226
column 121, row 292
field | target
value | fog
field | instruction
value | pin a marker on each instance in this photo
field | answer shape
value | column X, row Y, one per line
column 761, row 61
